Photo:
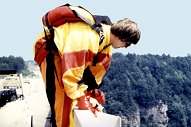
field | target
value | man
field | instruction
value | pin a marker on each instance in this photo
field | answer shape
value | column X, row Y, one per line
column 80, row 64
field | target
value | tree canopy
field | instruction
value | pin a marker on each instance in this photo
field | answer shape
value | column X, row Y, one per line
column 141, row 81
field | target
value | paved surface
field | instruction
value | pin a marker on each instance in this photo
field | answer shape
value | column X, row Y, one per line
column 34, row 106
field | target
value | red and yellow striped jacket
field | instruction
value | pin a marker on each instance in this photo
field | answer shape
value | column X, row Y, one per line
column 77, row 45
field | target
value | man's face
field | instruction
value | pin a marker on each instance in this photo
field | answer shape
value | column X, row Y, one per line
column 117, row 43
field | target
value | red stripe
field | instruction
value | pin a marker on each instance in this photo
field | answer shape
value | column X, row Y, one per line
column 76, row 59
column 66, row 111
column 104, row 59
column 40, row 51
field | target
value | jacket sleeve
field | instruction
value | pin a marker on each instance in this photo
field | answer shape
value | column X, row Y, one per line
column 102, row 65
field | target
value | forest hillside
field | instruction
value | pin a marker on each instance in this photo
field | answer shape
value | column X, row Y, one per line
column 136, row 83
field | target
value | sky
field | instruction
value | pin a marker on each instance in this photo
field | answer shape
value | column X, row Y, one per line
column 165, row 24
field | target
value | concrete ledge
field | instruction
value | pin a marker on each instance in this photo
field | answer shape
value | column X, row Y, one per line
column 85, row 118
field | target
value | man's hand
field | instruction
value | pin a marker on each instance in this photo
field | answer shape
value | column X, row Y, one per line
column 98, row 95
column 84, row 104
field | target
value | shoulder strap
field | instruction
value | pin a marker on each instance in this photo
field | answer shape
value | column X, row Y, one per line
column 97, row 26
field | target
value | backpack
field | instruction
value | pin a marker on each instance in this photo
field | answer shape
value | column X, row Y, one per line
column 64, row 13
